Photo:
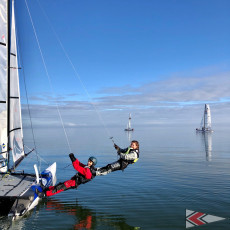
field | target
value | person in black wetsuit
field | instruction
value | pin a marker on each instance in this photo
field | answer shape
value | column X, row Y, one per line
column 127, row 156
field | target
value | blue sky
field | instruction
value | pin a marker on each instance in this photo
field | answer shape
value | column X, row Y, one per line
column 159, row 60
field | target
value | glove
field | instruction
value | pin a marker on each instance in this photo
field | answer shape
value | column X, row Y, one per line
column 116, row 147
column 72, row 157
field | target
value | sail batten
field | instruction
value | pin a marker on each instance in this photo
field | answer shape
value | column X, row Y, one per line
column 3, row 152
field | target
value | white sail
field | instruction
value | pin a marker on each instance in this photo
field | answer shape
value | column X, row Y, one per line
column 129, row 123
column 16, row 136
column 207, row 117
column 10, row 118
column 3, row 86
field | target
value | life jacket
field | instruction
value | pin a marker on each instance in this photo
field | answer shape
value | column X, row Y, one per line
column 128, row 151
column 80, row 178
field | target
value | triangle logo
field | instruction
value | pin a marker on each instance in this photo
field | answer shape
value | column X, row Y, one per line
column 194, row 218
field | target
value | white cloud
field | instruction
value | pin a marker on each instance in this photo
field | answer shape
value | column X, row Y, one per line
column 176, row 100
column 174, row 91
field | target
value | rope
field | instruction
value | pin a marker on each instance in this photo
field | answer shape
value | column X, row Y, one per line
column 20, row 60
column 28, row 107
column 76, row 73
column 48, row 76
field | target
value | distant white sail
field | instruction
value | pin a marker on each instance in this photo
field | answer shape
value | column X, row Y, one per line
column 207, row 117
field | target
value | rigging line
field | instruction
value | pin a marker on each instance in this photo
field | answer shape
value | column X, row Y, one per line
column 46, row 70
column 27, row 99
column 41, row 159
column 29, row 111
column 76, row 73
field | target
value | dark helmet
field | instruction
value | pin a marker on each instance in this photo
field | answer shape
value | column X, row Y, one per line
column 93, row 159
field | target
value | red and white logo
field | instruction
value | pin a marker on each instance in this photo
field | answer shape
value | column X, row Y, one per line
column 194, row 218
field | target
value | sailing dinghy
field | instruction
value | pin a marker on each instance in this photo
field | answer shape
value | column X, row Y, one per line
column 205, row 125
column 129, row 124
column 17, row 189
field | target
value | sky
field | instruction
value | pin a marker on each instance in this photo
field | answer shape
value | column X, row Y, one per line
column 160, row 60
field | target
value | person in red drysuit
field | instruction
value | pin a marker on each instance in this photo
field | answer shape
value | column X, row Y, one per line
column 85, row 174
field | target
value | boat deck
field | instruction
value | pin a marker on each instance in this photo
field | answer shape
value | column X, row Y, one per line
column 14, row 185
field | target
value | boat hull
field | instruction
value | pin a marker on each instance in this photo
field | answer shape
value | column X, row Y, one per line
column 129, row 130
column 17, row 194
column 204, row 130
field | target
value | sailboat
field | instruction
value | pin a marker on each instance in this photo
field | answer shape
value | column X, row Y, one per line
column 129, row 124
column 205, row 125
column 17, row 188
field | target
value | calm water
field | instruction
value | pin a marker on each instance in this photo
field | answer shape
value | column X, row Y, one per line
column 178, row 169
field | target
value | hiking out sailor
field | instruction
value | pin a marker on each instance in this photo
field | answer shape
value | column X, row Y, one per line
column 127, row 156
column 85, row 174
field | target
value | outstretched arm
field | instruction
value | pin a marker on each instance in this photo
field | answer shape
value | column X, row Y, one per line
column 119, row 150
column 80, row 167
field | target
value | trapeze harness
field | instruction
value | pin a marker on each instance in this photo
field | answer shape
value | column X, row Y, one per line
column 124, row 163
column 80, row 178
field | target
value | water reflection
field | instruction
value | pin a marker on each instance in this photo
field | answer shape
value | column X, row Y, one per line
column 129, row 135
column 87, row 218
column 6, row 223
column 207, row 141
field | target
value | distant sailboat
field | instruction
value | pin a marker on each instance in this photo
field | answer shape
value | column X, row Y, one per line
column 205, row 125
column 17, row 188
column 129, row 124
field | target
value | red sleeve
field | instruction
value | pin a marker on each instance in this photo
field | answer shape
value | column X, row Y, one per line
column 80, row 168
